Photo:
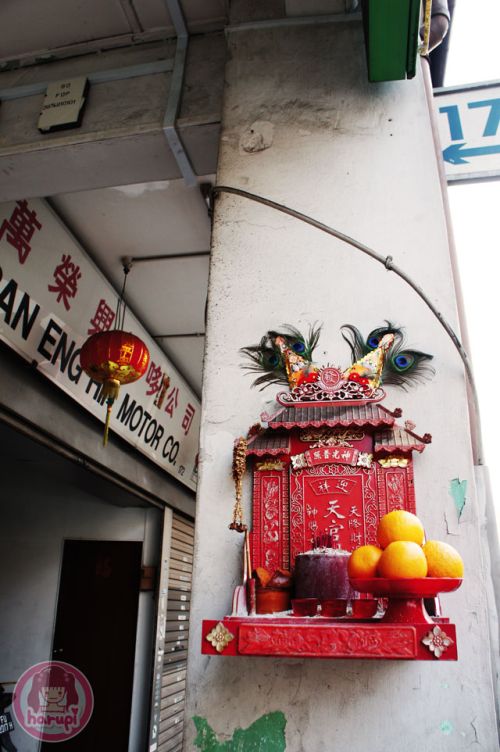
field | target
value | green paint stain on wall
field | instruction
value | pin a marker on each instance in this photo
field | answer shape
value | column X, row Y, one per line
column 446, row 728
column 458, row 490
column 266, row 734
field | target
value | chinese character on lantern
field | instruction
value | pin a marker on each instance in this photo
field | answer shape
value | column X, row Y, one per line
column 126, row 352
column 103, row 318
column 20, row 228
column 188, row 418
column 66, row 276
column 172, row 401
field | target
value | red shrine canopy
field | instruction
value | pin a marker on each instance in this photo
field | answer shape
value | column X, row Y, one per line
column 390, row 437
column 399, row 440
column 332, row 416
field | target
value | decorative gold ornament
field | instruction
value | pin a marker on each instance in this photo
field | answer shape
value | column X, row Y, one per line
column 239, row 468
column 220, row 637
column 365, row 459
column 270, row 465
column 393, row 461
column 437, row 641
column 331, row 437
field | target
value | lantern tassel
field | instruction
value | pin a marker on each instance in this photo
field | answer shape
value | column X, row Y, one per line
column 110, row 389
column 106, row 425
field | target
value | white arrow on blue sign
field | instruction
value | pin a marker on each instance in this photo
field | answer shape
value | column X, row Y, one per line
column 469, row 127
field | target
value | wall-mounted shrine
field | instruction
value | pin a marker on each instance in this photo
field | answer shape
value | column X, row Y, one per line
column 327, row 464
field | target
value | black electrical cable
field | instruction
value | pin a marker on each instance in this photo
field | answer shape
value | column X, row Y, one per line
column 389, row 264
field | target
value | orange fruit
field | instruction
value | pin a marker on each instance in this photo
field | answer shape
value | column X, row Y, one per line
column 363, row 561
column 400, row 525
column 443, row 560
column 402, row 560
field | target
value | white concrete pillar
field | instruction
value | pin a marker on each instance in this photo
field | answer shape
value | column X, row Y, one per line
column 360, row 157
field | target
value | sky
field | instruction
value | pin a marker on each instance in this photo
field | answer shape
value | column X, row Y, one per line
column 474, row 57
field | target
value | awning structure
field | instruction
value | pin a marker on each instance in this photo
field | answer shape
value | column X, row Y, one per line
column 399, row 440
column 333, row 416
column 269, row 444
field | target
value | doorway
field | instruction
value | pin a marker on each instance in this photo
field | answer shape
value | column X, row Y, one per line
column 95, row 631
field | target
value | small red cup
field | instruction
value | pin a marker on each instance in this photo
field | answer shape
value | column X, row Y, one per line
column 364, row 608
column 272, row 601
column 336, row 607
column 305, row 606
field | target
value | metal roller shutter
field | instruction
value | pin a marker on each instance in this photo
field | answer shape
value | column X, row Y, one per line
column 169, row 689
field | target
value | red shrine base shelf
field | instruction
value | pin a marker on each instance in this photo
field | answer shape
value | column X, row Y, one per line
column 319, row 637
column 418, row 587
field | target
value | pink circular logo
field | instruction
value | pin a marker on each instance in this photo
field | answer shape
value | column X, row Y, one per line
column 53, row 701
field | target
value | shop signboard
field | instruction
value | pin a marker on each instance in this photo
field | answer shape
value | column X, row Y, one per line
column 52, row 297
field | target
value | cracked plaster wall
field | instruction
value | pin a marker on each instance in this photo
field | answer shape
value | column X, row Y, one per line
column 359, row 157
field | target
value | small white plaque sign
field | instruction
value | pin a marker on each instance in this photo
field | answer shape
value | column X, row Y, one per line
column 63, row 104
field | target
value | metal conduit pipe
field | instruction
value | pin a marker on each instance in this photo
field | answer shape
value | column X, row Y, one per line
column 94, row 77
column 389, row 264
column 175, row 93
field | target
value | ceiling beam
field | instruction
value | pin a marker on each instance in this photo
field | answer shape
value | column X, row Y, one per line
column 121, row 140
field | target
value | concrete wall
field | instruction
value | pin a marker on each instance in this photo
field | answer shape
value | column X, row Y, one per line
column 39, row 511
column 360, row 157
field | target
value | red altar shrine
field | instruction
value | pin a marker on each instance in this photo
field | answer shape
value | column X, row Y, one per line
column 327, row 464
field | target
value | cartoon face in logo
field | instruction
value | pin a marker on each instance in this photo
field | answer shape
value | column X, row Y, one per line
column 53, row 701
column 52, row 689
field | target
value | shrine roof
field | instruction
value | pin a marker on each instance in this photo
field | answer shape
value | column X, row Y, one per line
column 269, row 444
column 398, row 439
column 331, row 415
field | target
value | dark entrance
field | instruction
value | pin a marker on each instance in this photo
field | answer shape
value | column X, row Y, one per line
column 96, row 631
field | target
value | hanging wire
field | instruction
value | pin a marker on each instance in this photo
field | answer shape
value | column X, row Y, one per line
column 121, row 306
column 387, row 261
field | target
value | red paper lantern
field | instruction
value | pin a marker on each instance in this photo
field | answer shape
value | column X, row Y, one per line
column 113, row 358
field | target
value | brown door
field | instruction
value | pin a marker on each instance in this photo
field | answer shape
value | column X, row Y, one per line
column 95, row 631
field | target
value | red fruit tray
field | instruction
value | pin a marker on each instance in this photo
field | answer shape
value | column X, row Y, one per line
column 406, row 597
column 421, row 587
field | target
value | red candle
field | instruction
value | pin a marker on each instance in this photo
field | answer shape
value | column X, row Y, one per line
column 322, row 574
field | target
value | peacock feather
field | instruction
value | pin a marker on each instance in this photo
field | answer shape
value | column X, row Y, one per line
column 403, row 366
column 270, row 359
